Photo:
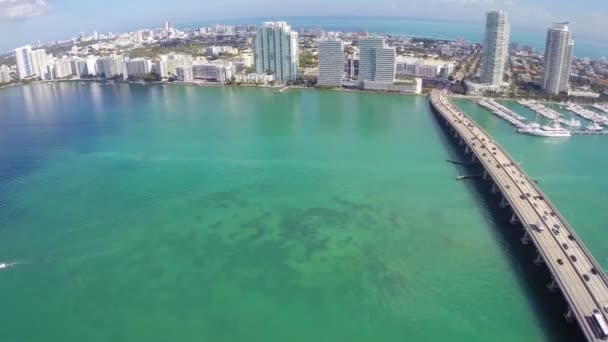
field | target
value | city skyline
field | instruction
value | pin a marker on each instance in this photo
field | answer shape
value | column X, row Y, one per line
column 30, row 20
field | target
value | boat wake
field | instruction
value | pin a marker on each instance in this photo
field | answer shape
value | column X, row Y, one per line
column 5, row 265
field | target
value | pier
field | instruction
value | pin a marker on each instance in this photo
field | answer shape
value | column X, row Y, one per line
column 504, row 113
column 282, row 89
column 575, row 273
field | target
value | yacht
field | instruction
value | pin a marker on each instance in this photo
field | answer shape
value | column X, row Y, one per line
column 594, row 127
column 572, row 122
column 554, row 131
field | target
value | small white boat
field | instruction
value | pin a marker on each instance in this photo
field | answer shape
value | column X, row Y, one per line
column 594, row 127
column 553, row 128
column 573, row 122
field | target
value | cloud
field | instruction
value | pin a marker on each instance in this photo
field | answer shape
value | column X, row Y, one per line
column 22, row 9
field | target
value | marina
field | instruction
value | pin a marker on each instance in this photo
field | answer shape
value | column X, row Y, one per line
column 554, row 130
column 548, row 113
column 601, row 107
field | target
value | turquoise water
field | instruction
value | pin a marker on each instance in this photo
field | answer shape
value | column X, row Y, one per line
column 170, row 213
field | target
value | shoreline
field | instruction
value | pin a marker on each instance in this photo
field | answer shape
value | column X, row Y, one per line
column 277, row 87
column 213, row 84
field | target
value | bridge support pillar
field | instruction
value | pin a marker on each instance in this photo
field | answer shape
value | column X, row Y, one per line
column 525, row 239
column 538, row 260
column 552, row 286
column 485, row 174
column 467, row 150
column 494, row 189
column 455, row 134
column 514, row 219
column 504, row 203
column 473, row 158
column 569, row 316
column 461, row 142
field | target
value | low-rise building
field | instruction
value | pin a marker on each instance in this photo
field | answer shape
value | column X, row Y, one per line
column 216, row 50
column 253, row 78
column 412, row 66
column 414, row 87
column 474, row 88
column 166, row 64
column 218, row 71
column 583, row 93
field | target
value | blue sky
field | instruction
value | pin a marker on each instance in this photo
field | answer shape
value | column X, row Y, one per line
column 25, row 21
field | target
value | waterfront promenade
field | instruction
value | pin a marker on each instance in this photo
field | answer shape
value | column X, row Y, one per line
column 574, row 270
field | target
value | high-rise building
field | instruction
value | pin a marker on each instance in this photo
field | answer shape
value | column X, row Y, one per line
column 95, row 35
column 79, row 67
column 495, row 48
column 5, row 74
column 39, row 63
column 24, row 64
column 385, row 64
column 376, row 60
column 62, row 68
column 276, row 51
column 559, row 51
column 92, row 65
column 331, row 63
column 112, row 66
column 166, row 64
column 367, row 57
column 184, row 73
column 139, row 67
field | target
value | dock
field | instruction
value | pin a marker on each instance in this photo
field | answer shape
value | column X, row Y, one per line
column 575, row 273
column 282, row 89
column 507, row 115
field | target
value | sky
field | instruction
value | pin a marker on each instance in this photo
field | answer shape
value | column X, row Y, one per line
column 26, row 21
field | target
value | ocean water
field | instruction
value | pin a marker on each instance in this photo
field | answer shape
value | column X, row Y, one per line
column 179, row 213
column 444, row 29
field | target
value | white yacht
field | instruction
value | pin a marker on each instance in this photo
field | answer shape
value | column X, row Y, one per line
column 572, row 122
column 594, row 127
column 554, row 131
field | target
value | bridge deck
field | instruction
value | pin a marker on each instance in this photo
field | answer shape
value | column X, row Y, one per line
column 580, row 278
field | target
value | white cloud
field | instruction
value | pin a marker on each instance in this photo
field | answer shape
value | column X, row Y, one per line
column 22, row 9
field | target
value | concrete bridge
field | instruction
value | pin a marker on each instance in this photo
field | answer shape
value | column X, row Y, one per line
column 575, row 273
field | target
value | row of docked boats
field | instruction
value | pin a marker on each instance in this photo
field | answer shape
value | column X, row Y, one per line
column 587, row 114
column 554, row 130
column 549, row 113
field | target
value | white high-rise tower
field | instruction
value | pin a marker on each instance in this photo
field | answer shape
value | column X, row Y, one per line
column 559, row 51
column 367, row 57
column 276, row 51
column 496, row 47
column 24, row 64
column 38, row 61
column 331, row 62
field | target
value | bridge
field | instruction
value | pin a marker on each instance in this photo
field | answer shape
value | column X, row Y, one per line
column 575, row 273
